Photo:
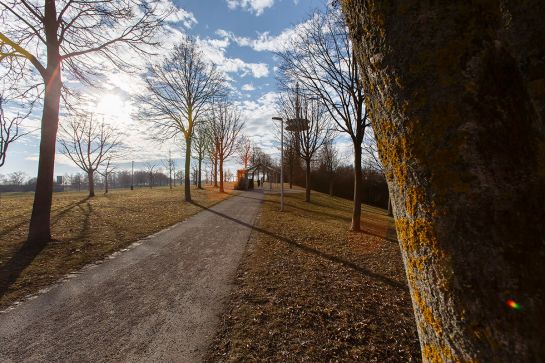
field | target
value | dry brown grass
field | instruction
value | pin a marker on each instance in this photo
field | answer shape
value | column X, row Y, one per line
column 309, row 290
column 84, row 230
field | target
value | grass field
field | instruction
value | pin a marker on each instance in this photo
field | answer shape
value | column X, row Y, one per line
column 309, row 290
column 84, row 230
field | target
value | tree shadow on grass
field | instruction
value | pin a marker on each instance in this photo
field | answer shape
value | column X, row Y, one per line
column 26, row 219
column 389, row 236
column 311, row 250
column 12, row 269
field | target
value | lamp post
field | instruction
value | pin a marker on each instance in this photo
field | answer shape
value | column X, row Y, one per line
column 281, row 161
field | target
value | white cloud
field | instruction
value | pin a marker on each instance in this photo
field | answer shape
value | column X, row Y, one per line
column 265, row 41
column 215, row 49
column 176, row 14
column 255, row 6
column 248, row 87
column 259, row 125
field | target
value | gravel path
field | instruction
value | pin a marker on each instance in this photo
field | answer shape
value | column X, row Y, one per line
column 157, row 301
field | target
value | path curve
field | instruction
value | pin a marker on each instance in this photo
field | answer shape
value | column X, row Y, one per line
column 159, row 301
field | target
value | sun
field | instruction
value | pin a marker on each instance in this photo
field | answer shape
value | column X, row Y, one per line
column 111, row 106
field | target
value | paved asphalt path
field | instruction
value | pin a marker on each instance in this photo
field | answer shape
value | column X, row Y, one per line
column 157, row 302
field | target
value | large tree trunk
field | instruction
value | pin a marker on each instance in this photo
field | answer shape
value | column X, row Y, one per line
column 221, row 173
column 39, row 229
column 91, row 178
column 40, row 220
column 456, row 94
column 307, row 181
column 358, row 180
column 187, row 167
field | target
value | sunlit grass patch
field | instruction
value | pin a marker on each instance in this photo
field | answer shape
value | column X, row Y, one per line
column 85, row 230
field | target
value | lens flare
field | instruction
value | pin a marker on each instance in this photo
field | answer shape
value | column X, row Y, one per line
column 513, row 304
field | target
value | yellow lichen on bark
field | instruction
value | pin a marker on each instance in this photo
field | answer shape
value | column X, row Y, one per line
column 422, row 251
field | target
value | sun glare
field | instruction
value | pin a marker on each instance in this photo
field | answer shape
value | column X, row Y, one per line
column 111, row 106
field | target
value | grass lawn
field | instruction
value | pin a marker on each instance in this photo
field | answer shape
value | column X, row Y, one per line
column 310, row 290
column 84, row 230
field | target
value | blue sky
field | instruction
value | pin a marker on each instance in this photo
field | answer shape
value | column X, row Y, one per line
column 237, row 34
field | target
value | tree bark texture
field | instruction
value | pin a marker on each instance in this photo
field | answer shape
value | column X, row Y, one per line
column 40, row 226
column 91, row 178
column 456, row 93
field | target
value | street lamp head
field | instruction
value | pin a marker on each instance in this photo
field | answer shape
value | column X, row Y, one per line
column 297, row 124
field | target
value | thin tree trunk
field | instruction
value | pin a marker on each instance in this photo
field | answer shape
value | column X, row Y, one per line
column 358, row 181
column 187, row 176
column 91, row 178
column 199, row 180
column 307, row 181
column 216, row 172
column 457, row 103
column 331, row 185
column 105, row 183
column 220, row 158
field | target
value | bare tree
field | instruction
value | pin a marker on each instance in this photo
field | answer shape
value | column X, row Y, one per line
column 225, row 127
column 88, row 144
column 260, row 157
column 373, row 161
column 201, row 143
column 313, row 135
column 180, row 176
column 213, row 156
column 320, row 57
column 179, row 91
column 73, row 38
column 291, row 155
column 107, row 171
column 170, row 164
column 330, row 161
column 9, row 130
column 245, row 150
column 150, row 171
column 17, row 178
column 229, row 175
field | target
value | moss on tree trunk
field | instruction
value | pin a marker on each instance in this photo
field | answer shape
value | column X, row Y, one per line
column 457, row 93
